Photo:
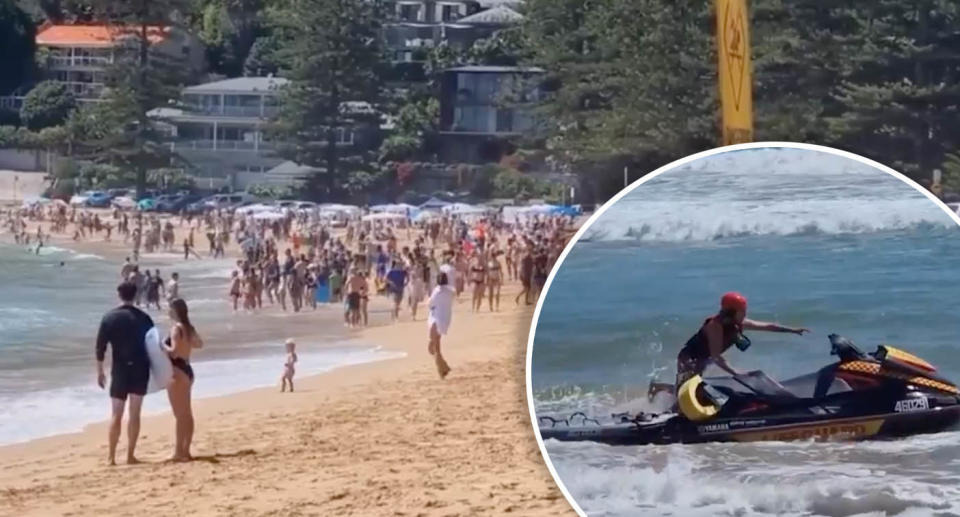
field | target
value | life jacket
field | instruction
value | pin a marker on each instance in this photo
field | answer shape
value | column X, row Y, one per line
column 697, row 346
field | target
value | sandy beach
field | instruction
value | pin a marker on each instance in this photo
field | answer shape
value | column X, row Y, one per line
column 384, row 438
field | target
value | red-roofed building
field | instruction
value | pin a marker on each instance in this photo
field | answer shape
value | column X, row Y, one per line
column 78, row 55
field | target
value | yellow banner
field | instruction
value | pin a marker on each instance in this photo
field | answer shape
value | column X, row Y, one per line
column 736, row 77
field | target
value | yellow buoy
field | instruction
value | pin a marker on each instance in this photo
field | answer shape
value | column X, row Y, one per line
column 690, row 406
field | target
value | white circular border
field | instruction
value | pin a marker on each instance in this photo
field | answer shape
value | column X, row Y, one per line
column 630, row 188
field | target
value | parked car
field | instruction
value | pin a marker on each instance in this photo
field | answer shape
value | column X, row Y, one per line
column 147, row 204
column 118, row 192
column 80, row 199
column 162, row 202
column 180, row 202
column 98, row 199
column 221, row 202
column 149, row 194
column 258, row 207
column 306, row 206
column 123, row 203
column 236, row 201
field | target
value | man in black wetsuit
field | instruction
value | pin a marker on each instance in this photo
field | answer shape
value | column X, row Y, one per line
column 124, row 328
column 719, row 333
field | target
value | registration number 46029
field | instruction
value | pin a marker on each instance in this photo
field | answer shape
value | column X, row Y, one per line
column 914, row 404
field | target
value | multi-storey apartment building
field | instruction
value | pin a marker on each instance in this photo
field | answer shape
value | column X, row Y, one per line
column 220, row 131
column 481, row 107
column 415, row 26
column 79, row 55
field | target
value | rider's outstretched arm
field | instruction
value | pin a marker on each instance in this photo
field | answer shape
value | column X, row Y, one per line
column 771, row 327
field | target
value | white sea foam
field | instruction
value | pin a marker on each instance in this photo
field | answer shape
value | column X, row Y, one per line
column 768, row 192
column 683, row 480
column 23, row 318
column 36, row 414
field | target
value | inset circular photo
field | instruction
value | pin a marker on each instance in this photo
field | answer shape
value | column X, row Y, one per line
column 762, row 329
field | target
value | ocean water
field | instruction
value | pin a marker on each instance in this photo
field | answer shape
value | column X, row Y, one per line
column 49, row 317
column 812, row 240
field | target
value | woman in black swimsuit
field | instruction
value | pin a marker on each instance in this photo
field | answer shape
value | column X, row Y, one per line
column 183, row 339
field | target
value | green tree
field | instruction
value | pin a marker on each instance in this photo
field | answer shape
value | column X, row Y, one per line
column 503, row 48
column 47, row 104
column 229, row 28
column 261, row 60
column 628, row 83
column 17, row 36
column 899, row 101
column 414, row 121
column 330, row 51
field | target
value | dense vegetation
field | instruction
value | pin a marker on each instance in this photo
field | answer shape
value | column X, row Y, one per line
column 629, row 83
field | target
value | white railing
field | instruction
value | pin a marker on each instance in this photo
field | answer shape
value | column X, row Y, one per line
column 75, row 61
column 233, row 111
column 221, row 145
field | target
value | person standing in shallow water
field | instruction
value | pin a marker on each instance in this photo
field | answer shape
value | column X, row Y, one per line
column 183, row 339
column 124, row 329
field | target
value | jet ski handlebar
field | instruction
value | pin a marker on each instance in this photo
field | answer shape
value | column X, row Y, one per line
column 845, row 349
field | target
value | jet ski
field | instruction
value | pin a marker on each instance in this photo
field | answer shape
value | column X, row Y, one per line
column 888, row 393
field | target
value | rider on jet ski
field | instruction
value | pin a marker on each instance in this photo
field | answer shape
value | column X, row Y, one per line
column 718, row 333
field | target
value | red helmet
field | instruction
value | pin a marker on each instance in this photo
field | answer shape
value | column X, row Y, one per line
column 733, row 301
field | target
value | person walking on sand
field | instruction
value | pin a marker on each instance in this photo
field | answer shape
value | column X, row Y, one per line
column 355, row 287
column 494, row 279
column 478, row 273
column 182, row 340
column 438, row 323
column 417, row 289
column 396, row 283
column 124, row 329
column 288, row 369
column 526, row 277
column 364, row 297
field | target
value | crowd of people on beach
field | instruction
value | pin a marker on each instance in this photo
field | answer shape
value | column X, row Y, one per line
column 300, row 261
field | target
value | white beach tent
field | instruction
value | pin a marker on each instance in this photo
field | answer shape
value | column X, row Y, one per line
column 464, row 209
column 433, row 204
column 268, row 216
column 335, row 208
column 396, row 208
column 384, row 216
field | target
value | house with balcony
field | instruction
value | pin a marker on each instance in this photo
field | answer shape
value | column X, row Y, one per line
column 219, row 128
column 483, row 108
column 416, row 26
column 79, row 55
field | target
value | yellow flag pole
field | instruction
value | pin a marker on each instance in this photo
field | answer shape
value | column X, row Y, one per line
column 735, row 74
